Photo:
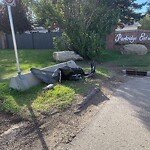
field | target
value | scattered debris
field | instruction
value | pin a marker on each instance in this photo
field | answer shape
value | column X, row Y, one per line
column 48, row 87
column 28, row 80
column 47, row 77
column 63, row 73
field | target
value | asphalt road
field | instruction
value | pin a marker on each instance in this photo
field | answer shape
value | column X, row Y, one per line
column 123, row 123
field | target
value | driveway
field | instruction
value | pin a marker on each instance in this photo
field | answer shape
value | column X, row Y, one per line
column 122, row 124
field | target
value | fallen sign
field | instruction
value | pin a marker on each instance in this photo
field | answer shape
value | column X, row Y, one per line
column 62, row 73
column 28, row 80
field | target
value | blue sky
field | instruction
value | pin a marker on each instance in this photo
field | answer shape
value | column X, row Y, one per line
column 145, row 7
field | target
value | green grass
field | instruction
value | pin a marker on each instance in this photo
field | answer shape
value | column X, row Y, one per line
column 41, row 101
column 27, row 59
column 132, row 61
column 17, row 101
column 63, row 94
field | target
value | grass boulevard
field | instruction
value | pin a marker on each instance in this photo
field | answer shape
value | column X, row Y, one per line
column 62, row 95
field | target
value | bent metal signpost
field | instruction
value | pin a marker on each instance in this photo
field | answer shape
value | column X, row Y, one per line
column 133, row 37
column 9, row 4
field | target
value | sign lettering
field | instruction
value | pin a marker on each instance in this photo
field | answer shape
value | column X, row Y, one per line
column 131, row 38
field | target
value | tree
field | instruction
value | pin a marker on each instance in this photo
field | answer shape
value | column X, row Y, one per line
column 145, row 22
column 148, row 8
column 126, row 9
column 85, row 23
column 28, row 4
column 20, row 20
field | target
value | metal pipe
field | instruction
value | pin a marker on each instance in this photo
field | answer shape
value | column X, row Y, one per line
column 14, row 39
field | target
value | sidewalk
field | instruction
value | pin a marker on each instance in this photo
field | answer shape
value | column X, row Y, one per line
column 124, row 122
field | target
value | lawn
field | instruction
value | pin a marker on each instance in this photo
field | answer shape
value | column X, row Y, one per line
column 63, row 94
column 27, row 59
column 128, row 61
column 41, row 101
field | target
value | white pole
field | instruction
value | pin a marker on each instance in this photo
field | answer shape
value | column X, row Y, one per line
column 14, row 39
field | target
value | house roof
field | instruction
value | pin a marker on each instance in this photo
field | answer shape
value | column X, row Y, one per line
column 130, row 27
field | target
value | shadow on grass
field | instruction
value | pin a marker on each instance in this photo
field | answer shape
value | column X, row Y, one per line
column 85, row 85
column 81, row 87
column 89, row 90
column 24, row 98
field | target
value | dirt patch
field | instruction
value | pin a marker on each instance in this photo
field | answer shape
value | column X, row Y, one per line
column 56, row 127
column 7, row 120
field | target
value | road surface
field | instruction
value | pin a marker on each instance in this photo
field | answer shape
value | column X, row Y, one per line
column 122, row 124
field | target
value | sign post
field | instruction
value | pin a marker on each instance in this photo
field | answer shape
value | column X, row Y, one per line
column 10, row 3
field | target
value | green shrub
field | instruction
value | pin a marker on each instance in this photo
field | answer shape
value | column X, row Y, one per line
column 62, row 43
